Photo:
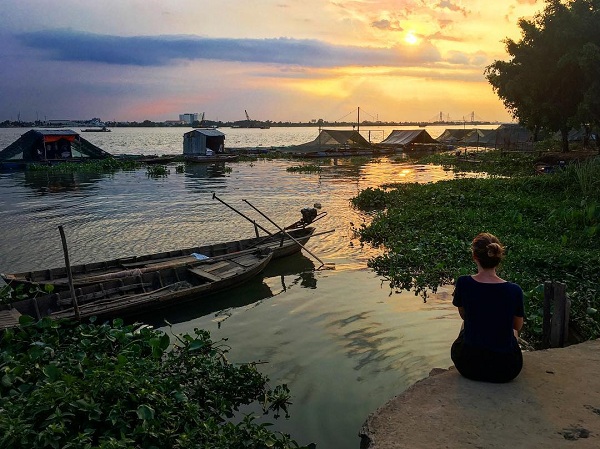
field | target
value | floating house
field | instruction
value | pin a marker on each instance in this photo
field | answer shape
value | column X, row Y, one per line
column 203, row 142
column 334, row 142
column 49, row 146
column 452, row 136
column 417, row 138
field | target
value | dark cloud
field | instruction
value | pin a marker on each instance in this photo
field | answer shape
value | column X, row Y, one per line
column 68, row 45
column 388, row 25
column 447, row 4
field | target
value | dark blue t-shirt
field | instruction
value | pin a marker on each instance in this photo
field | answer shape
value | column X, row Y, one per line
column 489, row 312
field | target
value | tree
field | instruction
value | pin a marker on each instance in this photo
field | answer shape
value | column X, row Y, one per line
column 551, row 79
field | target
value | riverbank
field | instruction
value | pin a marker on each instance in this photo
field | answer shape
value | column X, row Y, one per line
column 554, row 403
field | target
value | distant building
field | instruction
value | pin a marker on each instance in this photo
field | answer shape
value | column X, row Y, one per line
column 189, row 117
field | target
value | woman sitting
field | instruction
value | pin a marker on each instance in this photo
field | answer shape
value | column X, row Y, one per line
column 492, row 309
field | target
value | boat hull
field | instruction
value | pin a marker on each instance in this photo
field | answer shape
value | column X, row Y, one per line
column 280, row 245
column 132, row 295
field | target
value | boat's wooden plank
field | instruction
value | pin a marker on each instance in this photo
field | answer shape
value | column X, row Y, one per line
column 216, row 266
column 103, row 293
column 204, row 274
column 246, row 261
column 143, row 263
column 171, row 263
column 231, row 272
column 9, row 318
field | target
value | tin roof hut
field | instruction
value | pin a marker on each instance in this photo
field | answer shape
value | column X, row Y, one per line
column 451, row 136
column 198, row 141
column 408, row 138
column 481, row 138
column 50, row 145
column 334, row 140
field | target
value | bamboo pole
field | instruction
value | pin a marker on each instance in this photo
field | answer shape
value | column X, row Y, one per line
column 286, row 233
column 69, row 273
column 215, row 197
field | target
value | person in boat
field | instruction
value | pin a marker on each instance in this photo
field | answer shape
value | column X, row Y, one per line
column 492, row 309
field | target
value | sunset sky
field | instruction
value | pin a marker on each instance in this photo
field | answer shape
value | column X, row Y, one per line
column 282, row 60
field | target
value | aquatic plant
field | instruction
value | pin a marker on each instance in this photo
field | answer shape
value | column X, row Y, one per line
column 551, row 234
column 309, row 168
column 92, row 166
column 492, row 162
column 86, row 385
column 157, row 171
column 180, row 168
column 8, row 294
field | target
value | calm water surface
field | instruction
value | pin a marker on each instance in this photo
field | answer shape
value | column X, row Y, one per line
column 342, row 342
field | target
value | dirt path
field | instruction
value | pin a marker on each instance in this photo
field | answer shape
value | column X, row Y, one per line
column 554, row 403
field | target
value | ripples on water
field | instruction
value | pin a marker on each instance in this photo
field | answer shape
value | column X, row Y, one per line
column 338, row 338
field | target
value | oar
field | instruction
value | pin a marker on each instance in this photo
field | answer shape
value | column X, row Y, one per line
column 215, row 197
column 286, row 233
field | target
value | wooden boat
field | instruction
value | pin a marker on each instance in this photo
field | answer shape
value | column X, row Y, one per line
column 156, row 160
column 210, row 159
column 335, row 153
column 158, row 285
column 104, row 129
column 280, row 244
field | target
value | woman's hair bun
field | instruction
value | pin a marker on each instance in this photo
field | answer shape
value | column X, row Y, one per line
column 494, row 250
column 487, row 249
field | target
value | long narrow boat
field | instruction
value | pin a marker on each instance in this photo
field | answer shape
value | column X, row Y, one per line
column 280, row 244
column 161, row 285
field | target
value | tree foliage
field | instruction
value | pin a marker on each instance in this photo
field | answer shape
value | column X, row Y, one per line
column 551, row 80
column 71, row 385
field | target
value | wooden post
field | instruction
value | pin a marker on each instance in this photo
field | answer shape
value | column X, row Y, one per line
column 548, row 296
column 556, row 315
column 69, row 273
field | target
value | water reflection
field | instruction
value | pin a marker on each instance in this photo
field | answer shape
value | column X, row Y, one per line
column 206, row 177
column 47, row 182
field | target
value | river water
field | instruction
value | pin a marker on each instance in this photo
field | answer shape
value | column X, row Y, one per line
column 340, row 339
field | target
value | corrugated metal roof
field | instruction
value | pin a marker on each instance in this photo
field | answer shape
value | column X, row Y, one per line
column 56, row 132
column 207, row 132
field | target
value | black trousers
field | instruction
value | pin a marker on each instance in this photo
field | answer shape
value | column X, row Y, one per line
column 484, row 365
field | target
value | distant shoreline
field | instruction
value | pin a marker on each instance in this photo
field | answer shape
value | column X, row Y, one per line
column 147, row 124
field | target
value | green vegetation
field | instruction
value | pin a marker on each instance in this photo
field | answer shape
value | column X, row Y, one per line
column 492, row 162
column 157, row 171
column 309, row 168
column 74, row 385
column 552, row 80
column 93, row 166
column 549, row 223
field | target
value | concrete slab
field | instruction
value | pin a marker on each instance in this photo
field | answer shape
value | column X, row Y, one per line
column 554, row 403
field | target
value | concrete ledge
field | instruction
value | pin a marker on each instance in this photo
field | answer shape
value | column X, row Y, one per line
column 554, row 403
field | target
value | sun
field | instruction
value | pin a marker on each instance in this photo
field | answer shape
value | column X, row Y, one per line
column 410, row 38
